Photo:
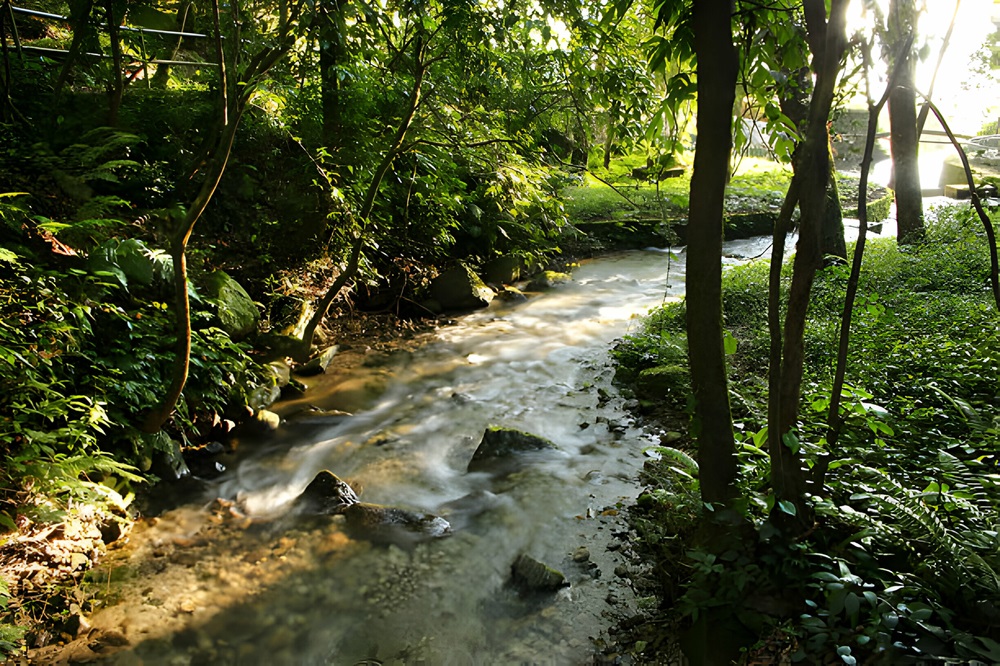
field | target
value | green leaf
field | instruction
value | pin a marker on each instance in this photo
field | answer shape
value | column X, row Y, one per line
column 729, row 343
column 787, row 507
column 852, row 604
column 790, row 440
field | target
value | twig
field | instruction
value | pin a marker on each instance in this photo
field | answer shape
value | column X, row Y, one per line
column 976, row 203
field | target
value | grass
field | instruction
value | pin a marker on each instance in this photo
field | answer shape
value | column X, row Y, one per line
column 758, row 186
column 904, row 556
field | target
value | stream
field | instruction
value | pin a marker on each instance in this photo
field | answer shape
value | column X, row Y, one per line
column 235, row 581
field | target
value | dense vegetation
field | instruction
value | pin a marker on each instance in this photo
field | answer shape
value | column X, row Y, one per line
column 905, row 566
column 182, row 216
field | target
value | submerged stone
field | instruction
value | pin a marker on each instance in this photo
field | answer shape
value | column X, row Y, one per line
column 500, row 447
column 530, row 575
column 392, row 524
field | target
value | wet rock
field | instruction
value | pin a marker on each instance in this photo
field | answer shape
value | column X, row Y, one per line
column 319, row 363
column 167, row 462
column 326, row 494
column 530, row 575
column 111, row 531
column 581, row 554
column 500, row 447
column 460, row 289
column 511, row 295
column 267, row 420
column 546, row 280
column 389, row 524
column 670, row 437
column 502, row 270
column 264, row 396
column 280, row 371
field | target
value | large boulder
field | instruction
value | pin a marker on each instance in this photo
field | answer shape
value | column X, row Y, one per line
column 236, row 313
column 459, row 288
column 500, row 449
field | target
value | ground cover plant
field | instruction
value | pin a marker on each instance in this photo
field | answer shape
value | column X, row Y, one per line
column 902, row 562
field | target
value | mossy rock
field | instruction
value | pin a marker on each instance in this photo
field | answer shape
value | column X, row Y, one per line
column 236, row 313
column 500, row 447
column 530, row 575
column 663, row 380
column 547, row 279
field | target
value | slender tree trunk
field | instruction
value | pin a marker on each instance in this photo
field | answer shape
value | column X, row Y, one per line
column 717, row 69
column 178, row 247
column 368, row 205
column 332, row 58
column 80, row 16
column 795, row 104
column 903, row 138
column 117, row 80
column 788, row 475
column 162, row 75
column 833, row 243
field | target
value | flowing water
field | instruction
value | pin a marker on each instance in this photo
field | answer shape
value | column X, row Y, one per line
column 200, row 586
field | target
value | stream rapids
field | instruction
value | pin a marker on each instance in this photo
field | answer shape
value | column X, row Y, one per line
column 206, row 584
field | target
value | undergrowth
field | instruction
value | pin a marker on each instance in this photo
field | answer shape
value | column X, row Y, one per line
column 904, row 563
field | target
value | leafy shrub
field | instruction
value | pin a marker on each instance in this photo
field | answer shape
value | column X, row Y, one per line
column 905, row 564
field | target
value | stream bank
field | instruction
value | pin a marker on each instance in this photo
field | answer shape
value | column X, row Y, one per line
column 230, row 579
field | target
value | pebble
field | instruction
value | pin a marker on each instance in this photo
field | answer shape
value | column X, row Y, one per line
column 581, row 554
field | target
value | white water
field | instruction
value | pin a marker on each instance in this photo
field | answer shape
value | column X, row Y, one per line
column 326, row 599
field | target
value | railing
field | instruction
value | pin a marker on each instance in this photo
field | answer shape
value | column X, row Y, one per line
column 142, row 32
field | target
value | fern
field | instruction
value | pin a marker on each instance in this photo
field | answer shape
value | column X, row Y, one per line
column 951, row 553
column 683, row 464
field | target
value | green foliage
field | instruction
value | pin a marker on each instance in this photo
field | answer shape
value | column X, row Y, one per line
column 905, row 561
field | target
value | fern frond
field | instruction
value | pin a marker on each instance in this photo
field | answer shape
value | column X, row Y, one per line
column 919, row 524
column 687, row 464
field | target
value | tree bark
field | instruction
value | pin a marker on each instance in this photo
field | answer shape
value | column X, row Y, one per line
column 117, row 79
column 795, row 104
column 368, row 205
column 788, row 475
column 332, row 57
column 717, row 69
column 178, row 247
column 903, row 139
column 80, row 16
column 833, row 243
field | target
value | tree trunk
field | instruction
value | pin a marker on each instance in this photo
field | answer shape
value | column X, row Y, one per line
column 80, row 17
column 178, row 247
column 833, row 243
column 903, row 138
column 788, row 475
column 117, row 79
column 162, row 75
column 332, row 57
column 794, row 103
column 717, row 69
column 368, row 205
